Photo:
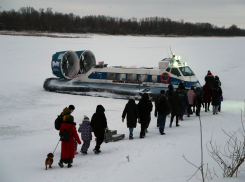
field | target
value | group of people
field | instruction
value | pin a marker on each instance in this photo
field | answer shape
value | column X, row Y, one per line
column 98, row 124
column 177, row 103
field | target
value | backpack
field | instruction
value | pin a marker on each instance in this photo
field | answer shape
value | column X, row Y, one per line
column 64, row 135
column 58, row 122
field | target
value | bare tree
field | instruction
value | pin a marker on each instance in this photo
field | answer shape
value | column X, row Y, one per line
column 232, row 155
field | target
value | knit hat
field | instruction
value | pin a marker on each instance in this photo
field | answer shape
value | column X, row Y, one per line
column 132, row 97
column 85, row 117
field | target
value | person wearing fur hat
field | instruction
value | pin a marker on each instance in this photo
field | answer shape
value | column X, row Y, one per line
column 67, row 147
column 86, row 134
column 132, row 113
column 99, row 124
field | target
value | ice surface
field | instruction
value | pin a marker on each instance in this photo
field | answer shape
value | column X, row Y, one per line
column 27, row 112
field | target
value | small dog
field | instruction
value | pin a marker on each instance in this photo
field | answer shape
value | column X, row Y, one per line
column 49, row 160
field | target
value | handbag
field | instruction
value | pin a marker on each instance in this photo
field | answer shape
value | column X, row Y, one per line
column 221, row 98
column 64, row 135
column 107, row 135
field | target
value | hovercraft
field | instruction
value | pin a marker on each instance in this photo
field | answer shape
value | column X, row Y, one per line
column 78, row 73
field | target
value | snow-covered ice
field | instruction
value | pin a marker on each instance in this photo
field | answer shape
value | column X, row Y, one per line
column 27, row 112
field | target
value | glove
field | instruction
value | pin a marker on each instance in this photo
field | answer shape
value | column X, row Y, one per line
column 122, row 119
column 80, row 143
column 138, row 120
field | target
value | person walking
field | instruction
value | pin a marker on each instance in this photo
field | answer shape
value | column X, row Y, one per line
column 145, row 107
column 184, row 100
column 86, row 134
column 67, row 147
column 216, row 92
column 66, row 112
column 158, row 97
column 206, row 95
column 209, row 78
column 216, row 79
column 99, row 124
column 175, row 109
column 191, row 98
column 163, row 109
column 131, row 110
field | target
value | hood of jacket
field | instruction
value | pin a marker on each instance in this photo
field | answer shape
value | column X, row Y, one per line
column 66, row 111
column 100, row 109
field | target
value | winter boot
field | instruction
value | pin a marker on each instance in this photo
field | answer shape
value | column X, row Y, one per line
column 131, row 138
column 61, row 164
column 96, row 151
column 177, row 125
column 69, row 165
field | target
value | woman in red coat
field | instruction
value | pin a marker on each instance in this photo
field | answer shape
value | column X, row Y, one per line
column 206, row 96
column 67, row 147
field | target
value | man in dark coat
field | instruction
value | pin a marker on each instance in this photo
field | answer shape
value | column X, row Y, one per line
column 145, row 107
column 216, row 92
column 99, row 124
column 158, row 97
column 206, row 95
column 184, row 100
column 131, row 110
column 163, row 109
column 175, row 109
column 67, row 147
column 209, row 78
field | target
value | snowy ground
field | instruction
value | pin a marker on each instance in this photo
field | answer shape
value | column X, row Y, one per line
column 27, row 112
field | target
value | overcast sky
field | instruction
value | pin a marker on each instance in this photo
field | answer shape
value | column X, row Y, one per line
column 217, row 12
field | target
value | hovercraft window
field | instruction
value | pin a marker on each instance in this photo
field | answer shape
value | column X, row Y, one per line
column 175, row 71
column 168, row 69
column 111, row 76
column 132, row 77
column 142, row 78
column 186, row 71
column 121, row 76
column 154, row 78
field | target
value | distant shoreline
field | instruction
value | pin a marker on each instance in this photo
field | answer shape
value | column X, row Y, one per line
column 88, row 35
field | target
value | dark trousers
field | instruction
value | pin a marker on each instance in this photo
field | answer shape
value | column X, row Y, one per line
column 99, row 141
column 219, row 107
column 162, row 120
column 189, row 109
column 207, row 106
column 143, row 127
column 172, row 118
column 198, row 109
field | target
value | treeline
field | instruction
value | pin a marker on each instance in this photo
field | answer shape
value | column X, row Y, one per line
column 29, row 19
